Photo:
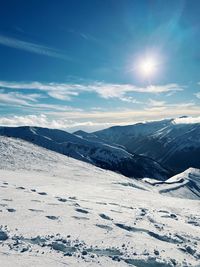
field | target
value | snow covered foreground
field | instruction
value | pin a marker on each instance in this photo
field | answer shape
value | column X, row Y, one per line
column 57, row 211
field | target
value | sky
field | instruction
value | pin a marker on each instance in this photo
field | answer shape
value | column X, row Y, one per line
column 92, row 64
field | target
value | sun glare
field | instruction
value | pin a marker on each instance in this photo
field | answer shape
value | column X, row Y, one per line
column 148, row 67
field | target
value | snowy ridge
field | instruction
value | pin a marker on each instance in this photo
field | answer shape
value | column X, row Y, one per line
column 87, row 216
column 175, row 146
column 183, row 185
column 186, row 184
column 100, row 154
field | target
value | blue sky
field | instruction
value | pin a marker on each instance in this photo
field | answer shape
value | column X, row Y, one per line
column 74, row 64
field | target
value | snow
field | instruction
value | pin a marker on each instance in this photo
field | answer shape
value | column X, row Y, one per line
column 185, row 185
column 182, row 185
column 99, row 154
column 175, row 145
column 58, row 211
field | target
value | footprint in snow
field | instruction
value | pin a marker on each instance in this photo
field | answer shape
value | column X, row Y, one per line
column 20, row 187
column 105, row 217
column 82, row 211
column 171, row 216
column 163, row 211
column 73, row 198
column 143, row 211
column 3, row 235
column 62, row 199
column 42, row 193
column 36, row 210
column 11, row 210
column 80, row 218
column 101, row 203
column 105, row 227
column 51, row 217
column 33, row 190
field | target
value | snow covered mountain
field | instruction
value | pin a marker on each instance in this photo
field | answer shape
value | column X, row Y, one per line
column 174, row 145
column 58, row 211
column 97, row 153
column 183, row 185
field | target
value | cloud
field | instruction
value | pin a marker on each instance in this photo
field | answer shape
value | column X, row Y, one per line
column 31, row 102
column 32, row 47
column 156, row 103
column 43, row 121
column 197, row 95
column 187, row 120
column 74, row 119
column 155, row 89
column 130, row 99
column 108, row 90
column 65, row 91
column 15, row 98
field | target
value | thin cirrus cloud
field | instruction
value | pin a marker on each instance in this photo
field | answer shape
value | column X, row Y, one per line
column 32, row 47
column 65, row 91
column 156, row 103
column 158, row 106
column 197, row 95
column 15, row 98
column 30, row 102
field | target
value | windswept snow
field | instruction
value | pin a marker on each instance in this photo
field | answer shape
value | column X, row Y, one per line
column 182, row 185
column 185, row 185
column 58, row 211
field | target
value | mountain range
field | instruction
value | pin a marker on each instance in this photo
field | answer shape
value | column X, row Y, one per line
column 158, row 149
column 174, row 145
column 100, row 154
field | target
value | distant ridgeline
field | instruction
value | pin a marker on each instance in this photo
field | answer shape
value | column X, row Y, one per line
column 174, row 145
column 156, row 149
column 92, row 150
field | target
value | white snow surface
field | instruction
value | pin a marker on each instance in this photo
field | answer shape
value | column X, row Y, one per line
column 182, row 185
column 58, row 211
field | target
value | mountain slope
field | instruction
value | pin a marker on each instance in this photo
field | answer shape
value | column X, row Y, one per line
column 102, row 155
column 176, row 146
column 58, row 211
column 183, row 185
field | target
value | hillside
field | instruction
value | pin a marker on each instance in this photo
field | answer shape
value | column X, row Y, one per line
column 58, row 211
column 174, row 145
column 99, row 154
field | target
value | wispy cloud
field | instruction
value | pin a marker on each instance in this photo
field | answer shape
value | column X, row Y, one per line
column 15, row 98
column 31, row 102
column 197, row 95
column 187, row 120
column 156, row 103
column 158, row 106
column 65, row 91
column 32, row 47
column 43, row 121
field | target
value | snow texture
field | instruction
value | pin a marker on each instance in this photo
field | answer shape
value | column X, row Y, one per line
column 58, row 211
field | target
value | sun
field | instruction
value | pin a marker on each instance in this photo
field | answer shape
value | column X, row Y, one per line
column 147, row 67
